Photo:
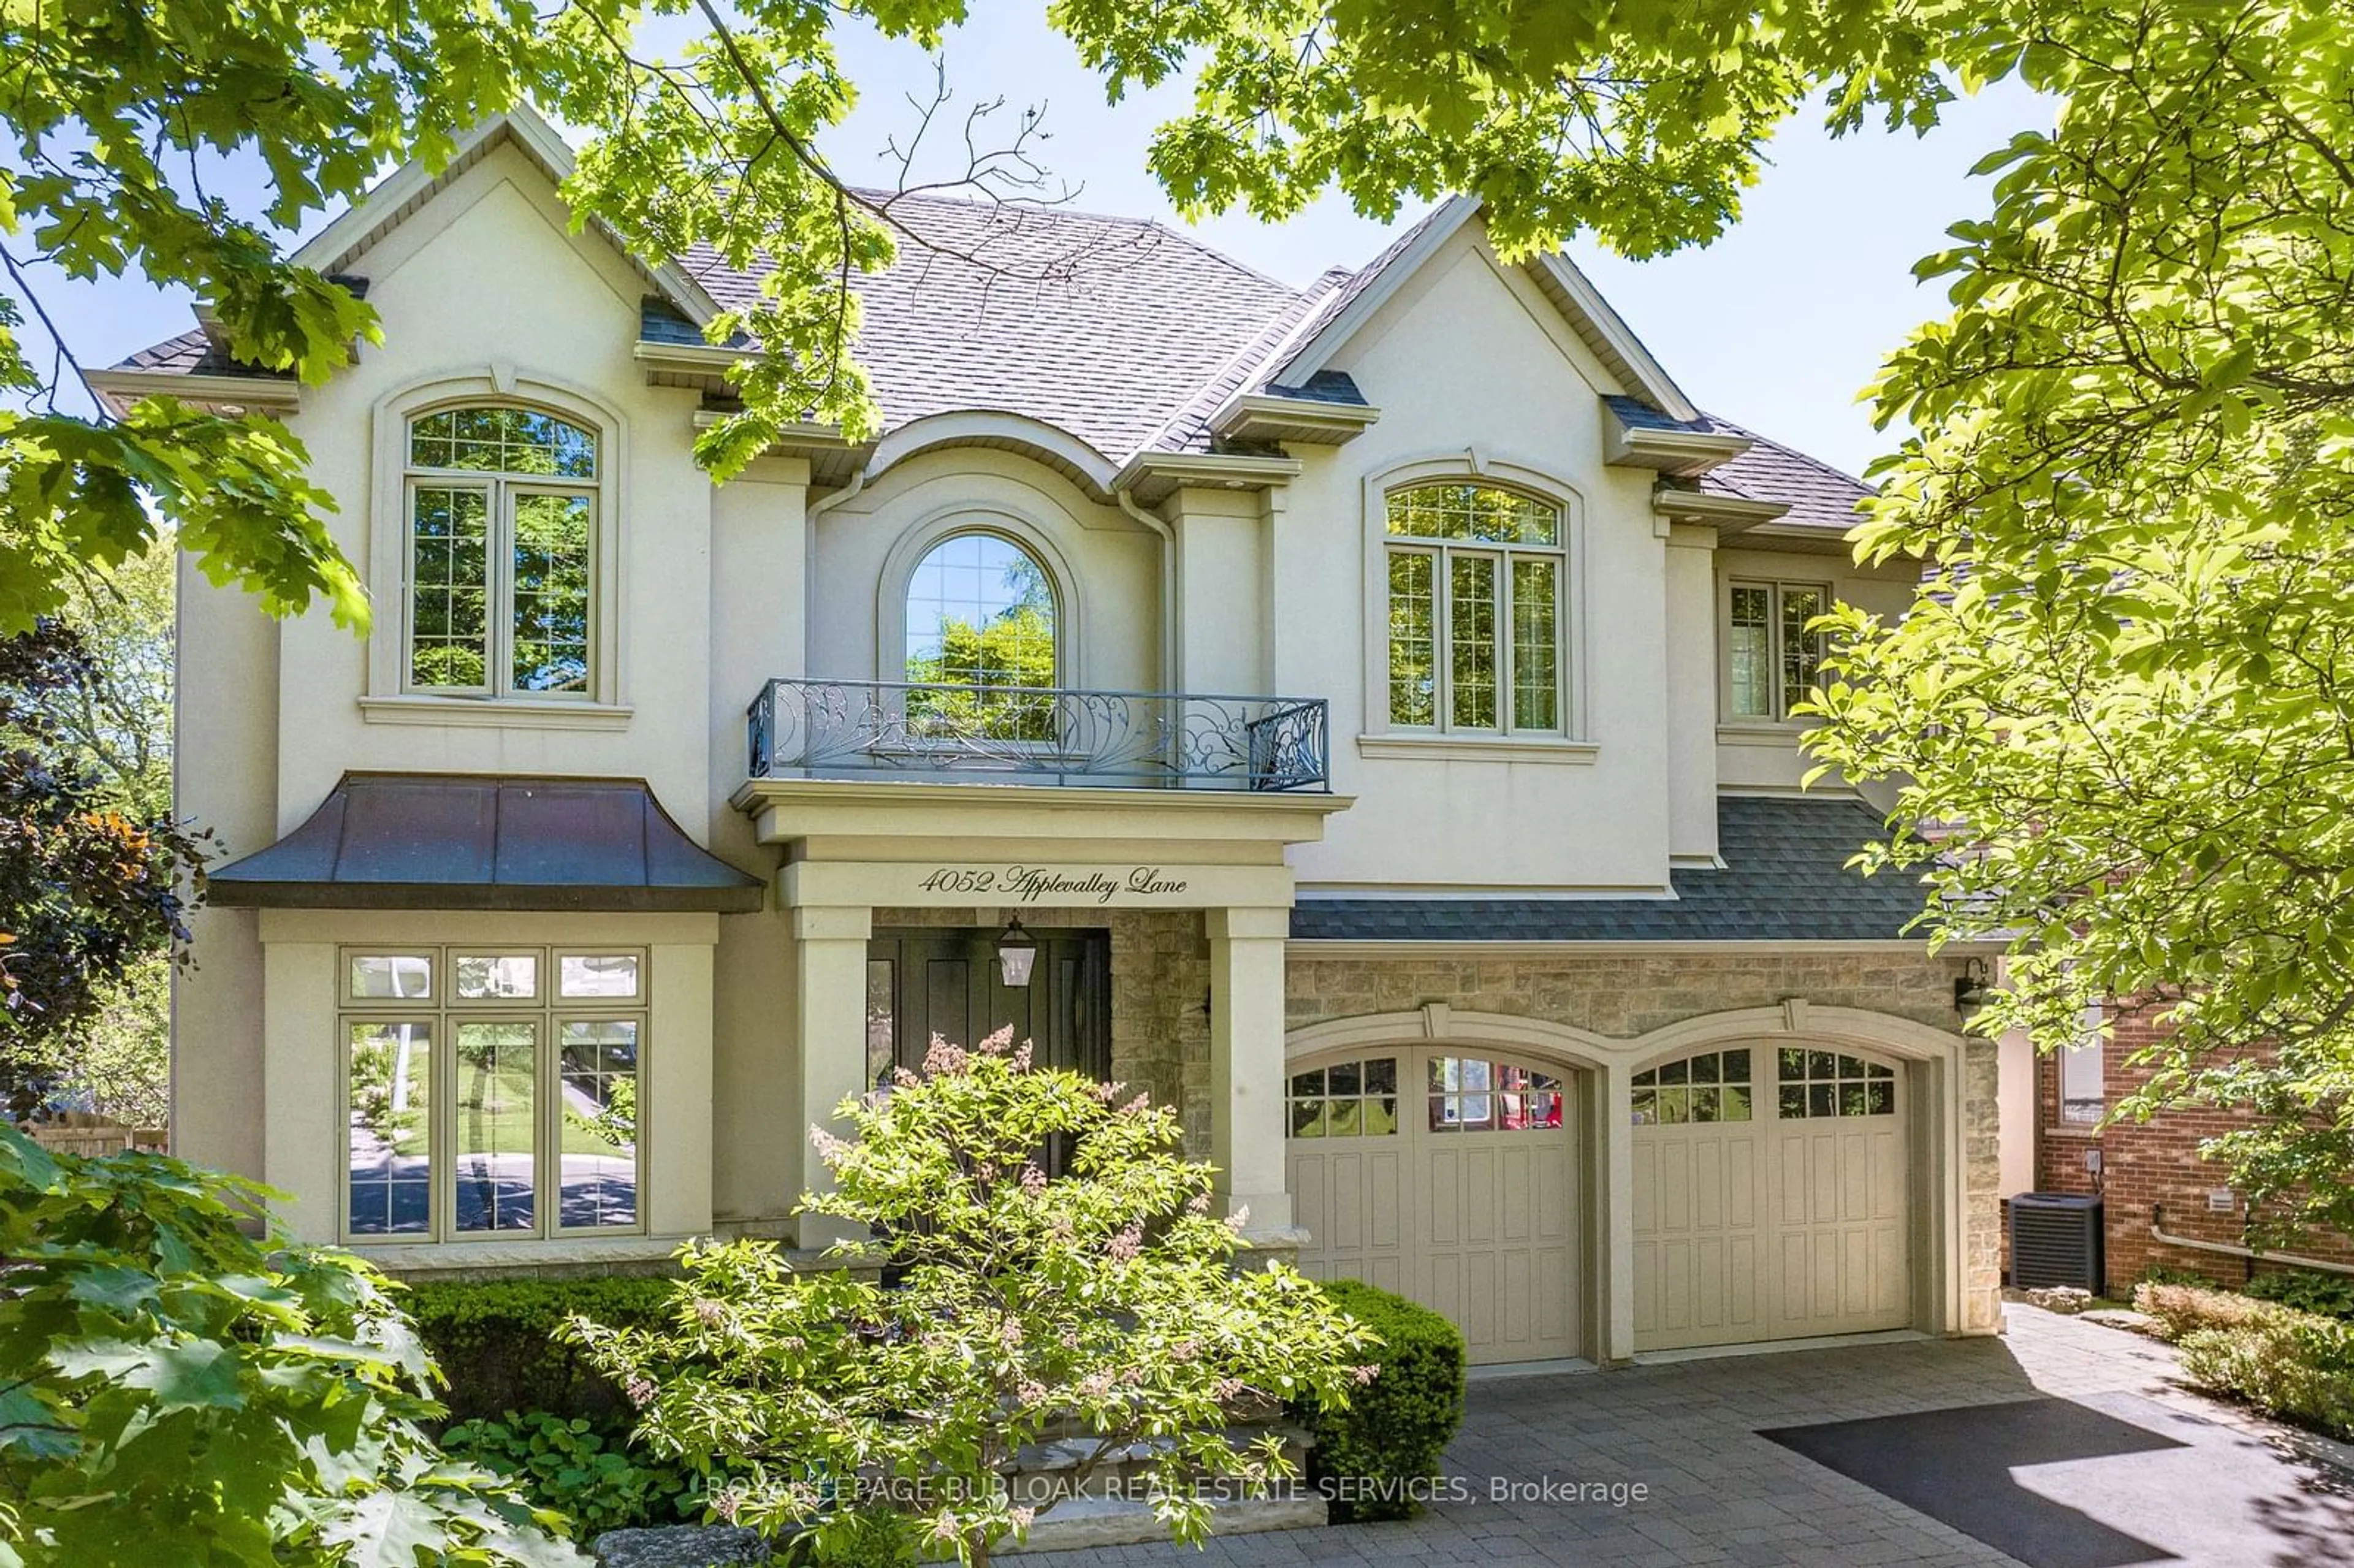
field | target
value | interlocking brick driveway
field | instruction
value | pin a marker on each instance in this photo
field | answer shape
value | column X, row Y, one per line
column 2221, row 1495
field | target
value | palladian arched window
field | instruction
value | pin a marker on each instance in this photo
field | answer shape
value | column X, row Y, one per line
column 981, row 637
column 501, row 509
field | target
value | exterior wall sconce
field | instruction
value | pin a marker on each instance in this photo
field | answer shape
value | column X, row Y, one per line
column 1971, row 989
column 1017, row 953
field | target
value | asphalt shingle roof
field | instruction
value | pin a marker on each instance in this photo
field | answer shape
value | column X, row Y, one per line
column 1785, row 880
column 1102, row 326
column 1818, row 496
column 1124, row 332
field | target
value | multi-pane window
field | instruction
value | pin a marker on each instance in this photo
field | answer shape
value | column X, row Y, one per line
column 1713, row 1086
column 2084, row 1094
column 492, row 1091
column 1347, row 1099
column 1830, row 1082
column 502, row 527
column 981, row 620
column 1476, row 575
column 1471, row 1095
column 1773, row 660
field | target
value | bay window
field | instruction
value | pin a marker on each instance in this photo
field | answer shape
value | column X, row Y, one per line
column 492, row 1091
column 1772, row 660
column 1476, row 579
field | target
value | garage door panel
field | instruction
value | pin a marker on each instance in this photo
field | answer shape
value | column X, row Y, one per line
column 1553, row 1203
column 1650, row 1161
column 1477, row 1219
column 1383, row 1177
column 1482, row 1221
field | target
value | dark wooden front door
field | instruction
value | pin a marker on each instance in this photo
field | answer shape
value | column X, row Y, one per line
column 922, row 983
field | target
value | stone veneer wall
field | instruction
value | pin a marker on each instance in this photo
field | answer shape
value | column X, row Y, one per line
column 1622, row 997
column 1159, row 991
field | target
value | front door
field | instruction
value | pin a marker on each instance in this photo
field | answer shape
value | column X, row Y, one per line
column 923, row 983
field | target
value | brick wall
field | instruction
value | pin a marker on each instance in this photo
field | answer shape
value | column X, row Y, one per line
column 2148, row 1163
column 1621, row 997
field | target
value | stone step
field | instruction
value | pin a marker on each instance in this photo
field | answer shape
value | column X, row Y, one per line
column 1091, row 1523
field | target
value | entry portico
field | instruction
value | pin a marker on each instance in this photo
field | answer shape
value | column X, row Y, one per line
column 1049, row 855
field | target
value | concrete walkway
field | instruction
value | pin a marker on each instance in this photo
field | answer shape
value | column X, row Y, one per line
column 2191, row 1483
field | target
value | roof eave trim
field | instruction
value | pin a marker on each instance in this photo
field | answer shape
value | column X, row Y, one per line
column 120, row 387
column 1256, row 416
column 360, row 225
column 1618, row 343
column 699, row 358
column 1730, row 514
column 1231, row 471
column 1684, row 453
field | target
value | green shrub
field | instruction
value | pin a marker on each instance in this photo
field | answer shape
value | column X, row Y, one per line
column 1377, row 1458
column 496, row 1343
column 2291, row 1365
column 2161, row 1274
column 586, row 1473
column 2330, row 1295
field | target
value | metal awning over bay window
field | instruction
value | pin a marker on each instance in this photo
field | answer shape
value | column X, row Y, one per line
column 821, row 729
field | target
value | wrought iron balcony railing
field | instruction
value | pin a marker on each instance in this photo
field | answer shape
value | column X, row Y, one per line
column 815, row 729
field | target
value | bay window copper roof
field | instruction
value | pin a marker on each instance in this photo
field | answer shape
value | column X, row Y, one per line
column 422, row 841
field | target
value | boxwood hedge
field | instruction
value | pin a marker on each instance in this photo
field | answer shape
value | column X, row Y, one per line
column 496, row 1342
column 1379, row 1459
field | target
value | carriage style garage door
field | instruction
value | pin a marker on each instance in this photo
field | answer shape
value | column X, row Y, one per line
column 1770, row 1188
column 1449, row 1179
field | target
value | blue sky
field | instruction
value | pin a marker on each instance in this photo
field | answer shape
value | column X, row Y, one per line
column 1779, row 325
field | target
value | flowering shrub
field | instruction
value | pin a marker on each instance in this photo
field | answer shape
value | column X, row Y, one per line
column 1101, row 1310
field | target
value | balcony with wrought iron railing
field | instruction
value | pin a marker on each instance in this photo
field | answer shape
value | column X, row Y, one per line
column 1006, row 734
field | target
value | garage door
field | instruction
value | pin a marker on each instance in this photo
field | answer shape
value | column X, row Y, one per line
column 1770, row 1188
column 1446, row 1177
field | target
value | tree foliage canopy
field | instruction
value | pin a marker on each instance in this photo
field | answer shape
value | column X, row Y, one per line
column 2128, row 687
column 89, row 880
column 173, row 1390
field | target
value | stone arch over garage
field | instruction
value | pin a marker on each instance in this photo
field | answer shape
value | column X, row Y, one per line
column 1932, row 1067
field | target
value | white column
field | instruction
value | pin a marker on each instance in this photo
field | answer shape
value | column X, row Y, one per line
column 1615, row 1139
column 830, row 958
column 1247, row 1066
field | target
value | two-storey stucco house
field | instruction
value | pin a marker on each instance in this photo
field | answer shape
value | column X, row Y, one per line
column 1356, row 715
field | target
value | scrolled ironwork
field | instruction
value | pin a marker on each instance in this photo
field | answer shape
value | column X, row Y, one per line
column 810, row 728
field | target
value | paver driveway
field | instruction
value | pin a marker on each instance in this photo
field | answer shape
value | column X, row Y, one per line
column 2197, row 1485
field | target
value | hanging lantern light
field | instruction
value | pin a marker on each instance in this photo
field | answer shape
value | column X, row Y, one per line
column 1017, row 953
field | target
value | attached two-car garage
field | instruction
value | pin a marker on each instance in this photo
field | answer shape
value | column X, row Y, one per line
column 1770, row 1191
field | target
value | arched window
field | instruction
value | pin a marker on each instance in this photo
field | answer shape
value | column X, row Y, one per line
column 1476, row 575
column 981, row 619
column 501, row 509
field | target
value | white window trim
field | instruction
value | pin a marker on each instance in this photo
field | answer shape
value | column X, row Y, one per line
column 1732, row 727
column 1571, row 742
column 548, row 1013
column 388, row 698
column 2088, row 1051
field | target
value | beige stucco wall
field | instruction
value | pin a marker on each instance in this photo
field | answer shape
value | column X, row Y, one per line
column 1469, row 365
column 1106, row 566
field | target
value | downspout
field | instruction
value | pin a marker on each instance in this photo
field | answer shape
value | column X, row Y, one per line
column 1122, row 494
column 2158, row 1231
